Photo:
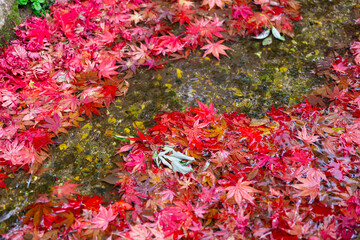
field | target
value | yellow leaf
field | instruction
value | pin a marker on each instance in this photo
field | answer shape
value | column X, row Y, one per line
column 31, row 84
column 89, row 158
column 283, row 69
column 63, row 146
column 88, row 126
column 83, row 136
column 79, row 148
column 108, row 133
column 112, row 120
column 139, row 125
column 127, row 130
column 178, row 73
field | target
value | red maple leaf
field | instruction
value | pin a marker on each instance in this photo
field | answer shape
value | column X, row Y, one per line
column 54, row 124
column 39, row 29
column 205, row 28
column 355, row 47
column 2, row 176
column 194, row 133
column 107, row 37
column 184, row 15
column 90, row 107
column 66, row 189
column 104, row 217
column 215, row 49
column 137, row 162
column 109, row 92
column 204, row 112
column 303, row 135
column 340, row 65
column 212, row 3
column 121, row 206
column 92, row 203
column 242, row 10
column 107, row 67
column 310, row 187
column 241, row 191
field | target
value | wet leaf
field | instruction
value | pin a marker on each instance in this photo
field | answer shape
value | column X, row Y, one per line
column 267, row 41
column 276, row 34
column 263, row 35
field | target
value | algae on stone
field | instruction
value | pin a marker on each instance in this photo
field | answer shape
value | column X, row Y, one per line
column 9, row 18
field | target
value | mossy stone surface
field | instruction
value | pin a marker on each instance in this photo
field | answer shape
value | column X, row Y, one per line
column 10, row 14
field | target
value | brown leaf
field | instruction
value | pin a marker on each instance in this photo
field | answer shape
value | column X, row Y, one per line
column 52, row 234
column 111, row 179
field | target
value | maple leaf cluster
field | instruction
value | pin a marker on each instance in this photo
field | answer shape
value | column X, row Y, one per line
column 77, row 59
column 292, row 175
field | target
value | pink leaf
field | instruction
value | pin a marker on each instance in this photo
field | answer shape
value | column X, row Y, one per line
column 103, row 218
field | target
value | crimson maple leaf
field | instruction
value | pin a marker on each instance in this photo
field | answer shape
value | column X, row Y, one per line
column 39, row 29
column 92, row 203
column 204, row 112
column 340, row 65
column 66, row 189
column 109, row 92
column 241, row 191
column 2, row 176
column 137, row 162
column 90, row 107
column 215, row 49
column 242, row 10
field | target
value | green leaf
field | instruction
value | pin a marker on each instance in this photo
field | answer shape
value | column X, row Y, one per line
column 263, row 35
column 41, row 1
column 36, row 5
column 267, row 41
column 121, row 138
column 276, row 34
column 23, row 2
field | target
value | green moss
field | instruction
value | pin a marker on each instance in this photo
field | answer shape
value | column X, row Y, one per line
column 6, row 32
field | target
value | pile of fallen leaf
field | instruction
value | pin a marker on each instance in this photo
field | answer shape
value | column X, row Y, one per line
column 200, row 174
column 197, row 174
column 78, row 59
